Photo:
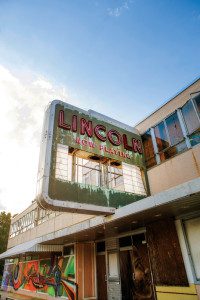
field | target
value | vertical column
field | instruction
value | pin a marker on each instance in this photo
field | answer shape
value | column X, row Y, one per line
column 113, row 269
column 181, row 120
column 155, row 147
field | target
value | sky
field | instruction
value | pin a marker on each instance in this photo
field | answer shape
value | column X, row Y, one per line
column 122, row 58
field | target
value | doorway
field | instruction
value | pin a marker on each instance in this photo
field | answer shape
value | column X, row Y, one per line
column 135, row 269
column 101, row 272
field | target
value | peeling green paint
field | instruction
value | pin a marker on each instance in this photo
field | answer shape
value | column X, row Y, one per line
column 82, row 193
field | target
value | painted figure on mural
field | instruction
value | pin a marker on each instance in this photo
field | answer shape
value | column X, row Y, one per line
column 142, row 288
column 54, row 276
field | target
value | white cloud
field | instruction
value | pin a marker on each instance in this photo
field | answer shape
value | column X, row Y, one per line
column 117, row 11
column 23, row 101
column 2, row 207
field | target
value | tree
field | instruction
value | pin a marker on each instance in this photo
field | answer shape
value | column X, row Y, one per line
column 5, row 219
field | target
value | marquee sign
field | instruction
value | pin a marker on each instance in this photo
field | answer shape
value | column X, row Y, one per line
column 94, row 135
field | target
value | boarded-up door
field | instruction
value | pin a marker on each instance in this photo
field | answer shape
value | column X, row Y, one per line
column 101, row 277
column 136, row 279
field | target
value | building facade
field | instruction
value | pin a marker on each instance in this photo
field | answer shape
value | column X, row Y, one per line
column 148, row 248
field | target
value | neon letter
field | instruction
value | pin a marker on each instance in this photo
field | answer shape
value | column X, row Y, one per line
column 86, row 127
column 117, row 135
column 98, row 134
column 61, row 122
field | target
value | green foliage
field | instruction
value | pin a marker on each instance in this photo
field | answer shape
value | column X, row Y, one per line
column 5, row 219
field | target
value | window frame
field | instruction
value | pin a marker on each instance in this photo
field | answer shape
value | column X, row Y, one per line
column 188, row 135
column 168, row 136
column 188, row 246
column 185, row 132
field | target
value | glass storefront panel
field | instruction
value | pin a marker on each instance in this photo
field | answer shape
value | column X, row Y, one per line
column 192, row 228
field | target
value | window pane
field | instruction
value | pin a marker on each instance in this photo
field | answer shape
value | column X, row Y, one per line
column 86, row 169
column 148, row 149
column 125, row 241
column 161, row 136
column 174, row 129
column 101, row 247
column 190, row 117
column 195, row 138
column 172, row 151
column 112, row 264
column 197, row 101
column 68, row 250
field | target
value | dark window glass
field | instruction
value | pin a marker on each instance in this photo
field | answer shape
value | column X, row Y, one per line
column 148, row 149
column 125, row 241
column 190, row 117
column 135, row 240
column 197, row 101
column 161, row 136
column 174, row 129
column 101, row 247
column 195, row 138
column 68, row 250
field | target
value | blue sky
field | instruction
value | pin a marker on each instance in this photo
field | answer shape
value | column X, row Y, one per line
column 120, row 58
column 126, row 57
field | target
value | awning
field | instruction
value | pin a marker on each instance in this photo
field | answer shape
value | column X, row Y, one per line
column 178, row 201
column 28, row 247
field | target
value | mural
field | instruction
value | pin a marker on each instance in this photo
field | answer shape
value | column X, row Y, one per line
column 54, row 276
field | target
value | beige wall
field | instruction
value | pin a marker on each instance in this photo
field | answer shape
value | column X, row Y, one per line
column 181, row 168
column 59, row 222
column 177, row 170
column 168, row 108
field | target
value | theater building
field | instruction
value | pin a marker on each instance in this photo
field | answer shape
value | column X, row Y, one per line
column 117, row 211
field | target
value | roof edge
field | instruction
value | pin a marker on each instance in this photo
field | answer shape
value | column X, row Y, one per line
column 168, row 100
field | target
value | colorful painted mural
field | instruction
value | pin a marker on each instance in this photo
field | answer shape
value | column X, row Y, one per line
column 54, row 276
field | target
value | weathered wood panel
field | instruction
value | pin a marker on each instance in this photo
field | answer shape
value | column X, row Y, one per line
column 165, row 254
column 101, row 277
column 89, row 272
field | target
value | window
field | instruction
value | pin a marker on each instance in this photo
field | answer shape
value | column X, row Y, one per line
column 169, row 137
column 174, row 129
column 197, row 102
column 148, row 149
column 161, row 137
column 191, row 113
column 68, row 250
column 101, row 247
column 88, row 169
column 190, row 117
column 113, row 264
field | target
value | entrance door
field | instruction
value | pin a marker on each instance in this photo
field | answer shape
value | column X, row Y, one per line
column 136, row 279
column 101, row 277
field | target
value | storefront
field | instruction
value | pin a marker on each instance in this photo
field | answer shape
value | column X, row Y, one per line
column 109, row 222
